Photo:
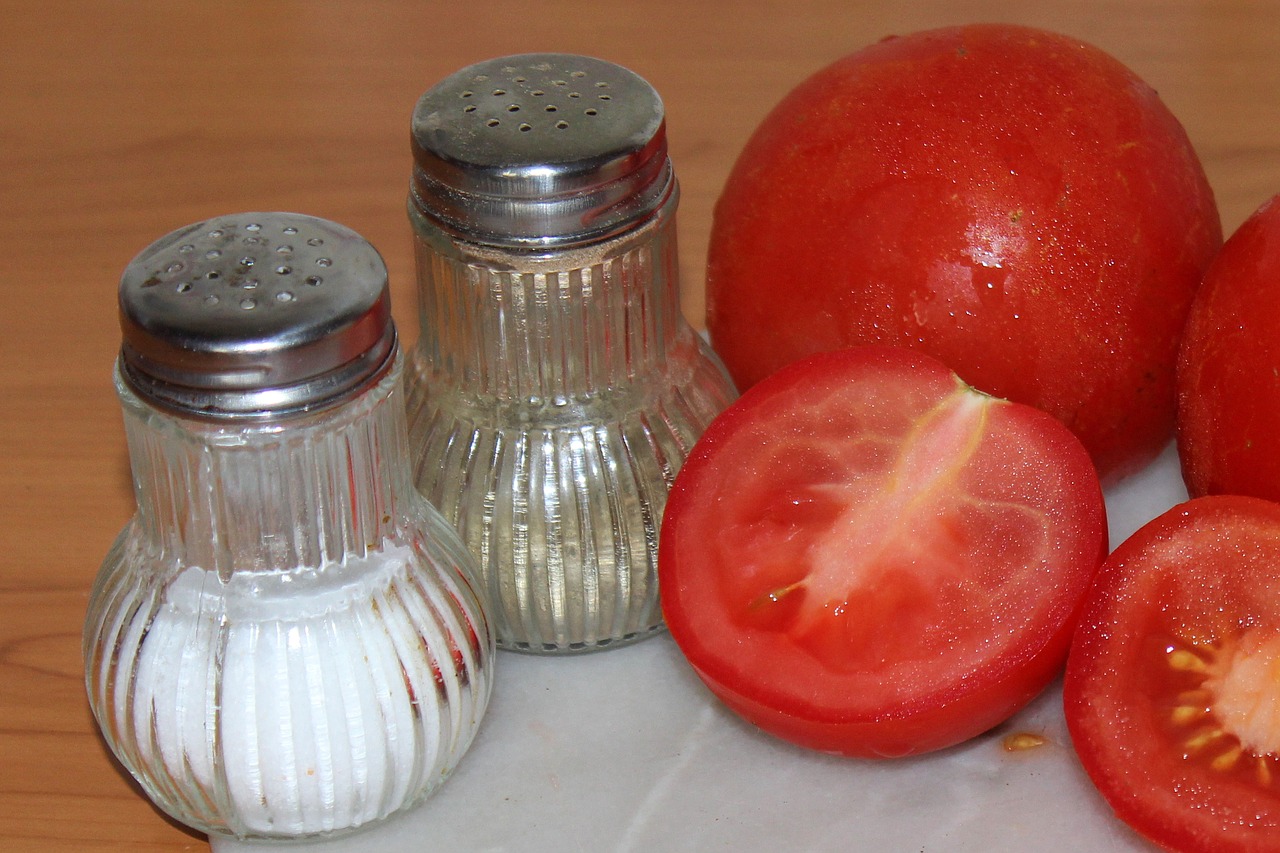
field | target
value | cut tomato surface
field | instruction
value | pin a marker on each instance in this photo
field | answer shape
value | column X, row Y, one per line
column 864, row 555
column 1172, row 690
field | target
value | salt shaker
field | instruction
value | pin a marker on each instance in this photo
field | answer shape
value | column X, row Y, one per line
column 556, row 388
column 284, row 641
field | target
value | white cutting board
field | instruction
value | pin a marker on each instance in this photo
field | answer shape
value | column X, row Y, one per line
column 625, row 750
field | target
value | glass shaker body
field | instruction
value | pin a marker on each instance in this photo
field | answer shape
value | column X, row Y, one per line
column 284, row 641
column 556, row 389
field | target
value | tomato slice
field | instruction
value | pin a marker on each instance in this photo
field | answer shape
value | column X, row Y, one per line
column 1172, row 690
column 864, row 555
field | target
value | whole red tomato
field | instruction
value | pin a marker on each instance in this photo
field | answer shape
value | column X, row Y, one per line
column 1229, row 369
column 1014, row 202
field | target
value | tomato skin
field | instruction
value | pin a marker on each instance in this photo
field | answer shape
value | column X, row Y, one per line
column 936, row 722
column 1014, row 202
column 1207, row 570
column 800, row 429
column 1228, row 383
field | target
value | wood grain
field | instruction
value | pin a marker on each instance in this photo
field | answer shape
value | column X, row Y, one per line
column 122, row 121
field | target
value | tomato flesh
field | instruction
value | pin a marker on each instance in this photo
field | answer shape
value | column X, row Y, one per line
column 866, row 556
column 1172, row 690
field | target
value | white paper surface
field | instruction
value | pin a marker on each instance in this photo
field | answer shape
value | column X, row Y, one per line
column 625, row 750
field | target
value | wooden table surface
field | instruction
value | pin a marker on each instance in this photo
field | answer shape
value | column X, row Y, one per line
column 120, row 121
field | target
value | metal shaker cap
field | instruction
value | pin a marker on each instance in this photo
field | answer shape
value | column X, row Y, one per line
column 255, row 316
column 540, row 150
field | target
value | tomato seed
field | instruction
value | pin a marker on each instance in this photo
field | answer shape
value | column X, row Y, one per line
column 1023, row 741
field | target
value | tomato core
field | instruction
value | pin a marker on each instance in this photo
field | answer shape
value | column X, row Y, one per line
column 909, row 516
column 887, row 551
column 1243, row 682
column 1222, row 704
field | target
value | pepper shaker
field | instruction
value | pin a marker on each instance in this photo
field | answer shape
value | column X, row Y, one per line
column 284, row 641
column 556, row 388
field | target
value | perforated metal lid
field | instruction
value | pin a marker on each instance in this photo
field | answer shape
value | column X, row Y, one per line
column 255, row 315
column 540, row 149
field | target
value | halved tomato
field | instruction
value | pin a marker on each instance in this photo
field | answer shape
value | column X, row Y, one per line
column 1172, row 690
column 864, row 555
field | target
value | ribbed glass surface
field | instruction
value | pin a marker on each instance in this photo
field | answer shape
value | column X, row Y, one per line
column 284, row 642
column 552, row 399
